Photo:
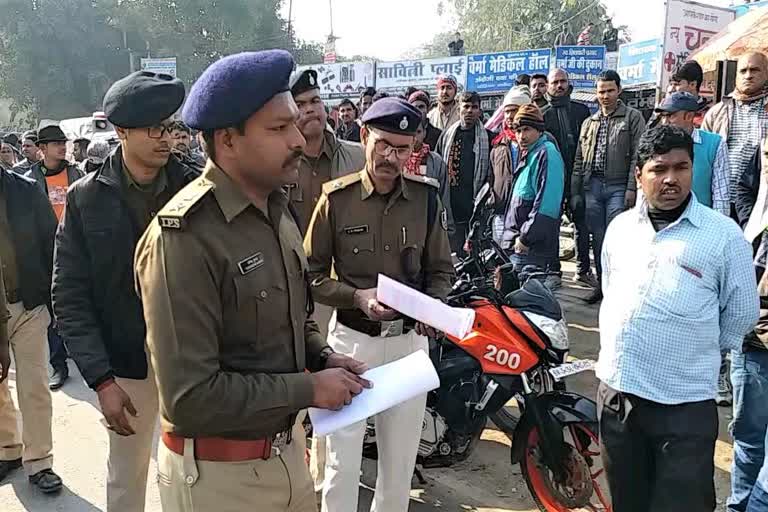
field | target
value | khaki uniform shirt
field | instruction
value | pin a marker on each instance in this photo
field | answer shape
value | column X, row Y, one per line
column 365, row 234
column 313, row 173
column 145, row 201
column 226, row 303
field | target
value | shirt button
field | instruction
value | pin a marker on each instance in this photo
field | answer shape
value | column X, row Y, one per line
column 190, row 480
column 386, row 247
column 355, row 250
column 263, row 294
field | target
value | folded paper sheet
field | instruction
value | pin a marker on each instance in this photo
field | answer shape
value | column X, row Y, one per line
column 393, row 383
column 454, row 321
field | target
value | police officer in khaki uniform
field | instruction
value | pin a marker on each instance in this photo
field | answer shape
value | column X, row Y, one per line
column 222, row 277
column 378, row 221
column 326, row 157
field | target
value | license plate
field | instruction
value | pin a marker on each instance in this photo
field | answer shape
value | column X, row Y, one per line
column 572, row 368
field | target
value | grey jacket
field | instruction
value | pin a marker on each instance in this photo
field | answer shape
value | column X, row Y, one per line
column 346, row 155
column 625, row 127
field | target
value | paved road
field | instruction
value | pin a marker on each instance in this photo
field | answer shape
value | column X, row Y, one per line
column 484, row 483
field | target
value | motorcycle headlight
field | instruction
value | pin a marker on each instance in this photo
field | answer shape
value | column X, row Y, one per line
column 556, row 330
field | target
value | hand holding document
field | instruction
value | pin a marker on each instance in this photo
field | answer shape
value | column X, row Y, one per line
column 454, row 321
column 393, row 384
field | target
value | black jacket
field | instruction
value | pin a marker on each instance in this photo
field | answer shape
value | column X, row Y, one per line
column 746, row 190
column 567, row 141
column 33, row 227
column 35, row 171
column 94, row 298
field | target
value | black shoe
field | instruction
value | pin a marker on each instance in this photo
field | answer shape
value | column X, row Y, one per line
column 594, row 297
column 59, row 376
column 46, row 480
column 6, row 466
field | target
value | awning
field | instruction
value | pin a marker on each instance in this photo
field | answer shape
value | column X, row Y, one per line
column 749, row 33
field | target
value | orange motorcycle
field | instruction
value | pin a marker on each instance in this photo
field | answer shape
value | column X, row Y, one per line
column 509, row 369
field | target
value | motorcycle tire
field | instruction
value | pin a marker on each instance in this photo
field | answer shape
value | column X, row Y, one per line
column 505, row 421
column 586, row 494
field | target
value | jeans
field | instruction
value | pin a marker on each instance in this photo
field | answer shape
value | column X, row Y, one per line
column 56, row 347
column 603, row 203
column 749, row 375
column 758, row 502
column 581, row 238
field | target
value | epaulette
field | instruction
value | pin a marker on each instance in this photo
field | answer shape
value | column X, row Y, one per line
column 341, row 183
column 173, row 213
column 418, row 178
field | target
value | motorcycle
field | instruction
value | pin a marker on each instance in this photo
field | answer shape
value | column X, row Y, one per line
column 517, row 349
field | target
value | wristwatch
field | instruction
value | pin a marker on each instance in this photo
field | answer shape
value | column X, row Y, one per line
column 324, row 355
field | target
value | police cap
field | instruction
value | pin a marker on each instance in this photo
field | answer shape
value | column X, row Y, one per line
column 233, row 88
column 394, row 115
column 304, row 81
column 143, row 99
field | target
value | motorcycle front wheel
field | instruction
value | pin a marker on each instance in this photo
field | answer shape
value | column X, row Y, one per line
column 584, row 488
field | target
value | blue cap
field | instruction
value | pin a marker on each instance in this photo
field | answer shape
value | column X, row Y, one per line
column 233, row 88
column 394, row 115
column 679, row 101
column 143, row 99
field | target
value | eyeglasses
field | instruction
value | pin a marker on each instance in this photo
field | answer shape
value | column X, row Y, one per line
column 383, row 148
column 158, row 132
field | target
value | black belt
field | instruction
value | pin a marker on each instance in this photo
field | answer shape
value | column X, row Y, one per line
column 355, row 320
column 12, row 296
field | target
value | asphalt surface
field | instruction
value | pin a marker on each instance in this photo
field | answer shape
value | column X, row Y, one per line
column 486, row 482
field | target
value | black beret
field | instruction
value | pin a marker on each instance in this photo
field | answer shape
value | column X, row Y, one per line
column 143, row 99
column 51, row 133
column 394, row 115
column 233, row 88
column 304, row 81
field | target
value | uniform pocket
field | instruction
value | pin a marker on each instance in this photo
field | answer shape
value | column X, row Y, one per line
column 356, row 244
column 263, row 297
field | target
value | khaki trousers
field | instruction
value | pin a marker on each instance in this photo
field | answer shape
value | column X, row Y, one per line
column 398, row 431
column 323, row 315
column 28, row 335
column 280, row 484
column 129, row 457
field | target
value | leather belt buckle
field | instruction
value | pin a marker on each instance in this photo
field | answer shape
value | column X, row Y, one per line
column 392, row 328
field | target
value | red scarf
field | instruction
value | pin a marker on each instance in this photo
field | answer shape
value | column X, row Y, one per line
column 417, row 159
column 506, row 133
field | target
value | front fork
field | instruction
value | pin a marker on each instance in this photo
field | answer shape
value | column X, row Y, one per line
column 552, row 441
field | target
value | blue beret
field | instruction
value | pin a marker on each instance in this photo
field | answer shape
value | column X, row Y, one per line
column 233, row 88
column 143, row 99
column 394, row 115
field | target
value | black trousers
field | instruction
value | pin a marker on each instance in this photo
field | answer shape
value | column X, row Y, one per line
column 658, row 458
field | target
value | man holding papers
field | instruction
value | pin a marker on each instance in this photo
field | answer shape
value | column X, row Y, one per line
column 365, row 224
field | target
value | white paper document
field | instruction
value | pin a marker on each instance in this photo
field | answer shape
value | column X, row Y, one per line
column 454, row 321
column 393, row 383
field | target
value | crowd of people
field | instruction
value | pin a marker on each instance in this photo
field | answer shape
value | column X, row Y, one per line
column 197, row 265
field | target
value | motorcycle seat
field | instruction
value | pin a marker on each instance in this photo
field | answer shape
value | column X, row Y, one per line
column 534, row 297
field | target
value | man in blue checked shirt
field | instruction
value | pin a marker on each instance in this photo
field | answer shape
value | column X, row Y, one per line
column 679, row 288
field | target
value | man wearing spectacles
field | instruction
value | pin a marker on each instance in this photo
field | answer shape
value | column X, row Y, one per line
column 368, row 223
column 96, row 305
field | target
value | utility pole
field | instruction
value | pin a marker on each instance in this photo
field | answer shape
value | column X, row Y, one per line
column 290, row 24
column 130, row 52
column 330, row 10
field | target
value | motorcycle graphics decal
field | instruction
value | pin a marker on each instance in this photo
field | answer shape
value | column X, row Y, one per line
column 502, row 357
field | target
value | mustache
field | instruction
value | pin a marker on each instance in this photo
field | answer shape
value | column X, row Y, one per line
column 293, row 157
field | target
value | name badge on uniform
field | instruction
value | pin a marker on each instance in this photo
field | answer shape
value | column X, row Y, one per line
column 356, row 230
column 251, row 263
